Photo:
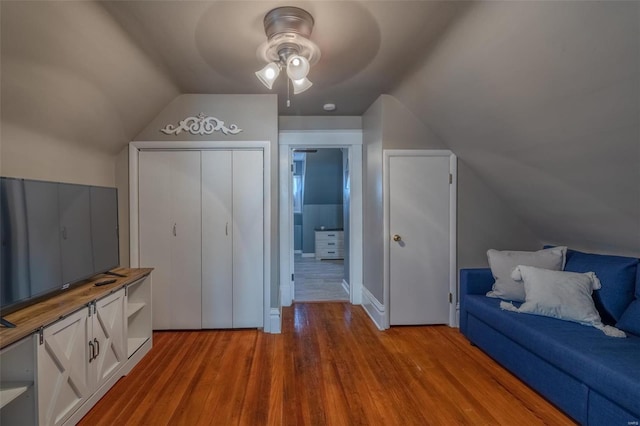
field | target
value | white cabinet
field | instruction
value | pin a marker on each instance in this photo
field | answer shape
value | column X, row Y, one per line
column 77, row 355
column 17, row 378
column 170, row 235
column 329, row 244
column 232, row 239
column 63, row 368
column 201, row 216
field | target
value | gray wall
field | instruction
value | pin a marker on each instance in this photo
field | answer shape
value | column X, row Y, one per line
column 540, row 101
column 319, row 122
column 322, row 194
column 256, row 115
column 484, row 219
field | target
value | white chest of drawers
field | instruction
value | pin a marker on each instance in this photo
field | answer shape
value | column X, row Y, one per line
column 329, row 244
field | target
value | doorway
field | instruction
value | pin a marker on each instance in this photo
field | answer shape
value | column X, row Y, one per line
column 320, row 191
column 349, row 144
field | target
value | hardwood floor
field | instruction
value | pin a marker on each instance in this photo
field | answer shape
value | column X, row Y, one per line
column 330, row 366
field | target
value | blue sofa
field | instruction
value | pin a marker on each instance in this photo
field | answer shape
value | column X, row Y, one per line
column 593, row 378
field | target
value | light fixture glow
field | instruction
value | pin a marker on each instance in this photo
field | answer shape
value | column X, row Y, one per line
column 301, row 85
column 268, row 74
column 289, row 47
column 297, row 67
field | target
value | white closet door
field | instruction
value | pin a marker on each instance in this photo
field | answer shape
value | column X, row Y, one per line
column 217, row 231
column 154, row 200
column 248, row 235
column 419, row 254
column 170, row 235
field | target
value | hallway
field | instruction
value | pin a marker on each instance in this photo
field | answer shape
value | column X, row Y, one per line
column 319, row 280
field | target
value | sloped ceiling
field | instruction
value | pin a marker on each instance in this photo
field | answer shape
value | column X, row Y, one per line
column 542, row 100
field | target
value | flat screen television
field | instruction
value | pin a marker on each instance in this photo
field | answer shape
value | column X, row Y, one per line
column 53, row 235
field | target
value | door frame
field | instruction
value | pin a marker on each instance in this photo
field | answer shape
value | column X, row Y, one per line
column 265, row 146
column 387, row 154
column 319, row 139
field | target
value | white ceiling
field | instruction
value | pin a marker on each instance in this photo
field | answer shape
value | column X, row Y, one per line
column 210, row 47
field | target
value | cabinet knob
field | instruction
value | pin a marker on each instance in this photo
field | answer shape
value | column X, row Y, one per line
column 397, row 237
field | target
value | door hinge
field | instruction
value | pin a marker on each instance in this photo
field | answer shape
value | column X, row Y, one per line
column 292, row 168
column 41, row 335
column 291, row 277
column 450, row 298
column 450, row 178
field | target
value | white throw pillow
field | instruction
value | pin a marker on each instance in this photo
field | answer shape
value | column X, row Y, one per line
column 502, row 264
column 560, row 294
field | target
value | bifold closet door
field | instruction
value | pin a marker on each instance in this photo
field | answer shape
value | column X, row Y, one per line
column 232, row 239
column 170, row 235
column 248, row 239
column 217, row 234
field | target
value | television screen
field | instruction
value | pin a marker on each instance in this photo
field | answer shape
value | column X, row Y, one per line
column 53, row 235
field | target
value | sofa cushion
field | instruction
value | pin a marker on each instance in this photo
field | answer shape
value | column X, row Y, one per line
column 630, row 319
column 609, row 366
column 503, row 262
column 560, row 294
column 617, row 275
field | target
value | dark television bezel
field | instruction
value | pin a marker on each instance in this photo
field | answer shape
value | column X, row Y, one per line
column 14, row 307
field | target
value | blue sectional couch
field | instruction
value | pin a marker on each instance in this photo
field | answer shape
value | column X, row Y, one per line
column 592, row 377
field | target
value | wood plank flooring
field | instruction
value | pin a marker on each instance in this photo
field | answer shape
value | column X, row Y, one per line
column 330, row 366
column 319, row 280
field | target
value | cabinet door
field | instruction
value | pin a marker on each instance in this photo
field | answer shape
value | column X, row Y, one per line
column 217, row 232
column 170, row 235
column 108, row 337
column 63, row 380
column 75, row 222
column 248, row 237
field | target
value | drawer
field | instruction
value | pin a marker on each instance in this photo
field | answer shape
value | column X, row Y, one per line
column 330, row 254
column 329, row 245
column 329, row 235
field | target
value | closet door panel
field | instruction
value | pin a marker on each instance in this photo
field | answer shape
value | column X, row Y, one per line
column 155, row 230
column 186, row 236
column 248, row 235
column 217, row 259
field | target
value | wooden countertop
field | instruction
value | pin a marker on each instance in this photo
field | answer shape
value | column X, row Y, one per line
column 31, row 318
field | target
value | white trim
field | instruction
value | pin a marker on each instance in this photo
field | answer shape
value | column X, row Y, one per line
column 297, row 252
column 453, row 286
column 352, row 141
column 276, row 321
column 373, row 308
column 346, row 286
column 265, row 146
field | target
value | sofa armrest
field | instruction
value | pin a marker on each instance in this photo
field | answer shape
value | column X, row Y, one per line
column 475, row 281
column 472, row 281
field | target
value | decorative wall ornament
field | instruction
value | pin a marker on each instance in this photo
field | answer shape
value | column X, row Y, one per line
column 201, row 125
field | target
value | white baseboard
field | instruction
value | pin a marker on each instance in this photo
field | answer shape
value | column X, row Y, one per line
column 345, row 285
column 374, row 308
column 308, row 255
column 275, row 321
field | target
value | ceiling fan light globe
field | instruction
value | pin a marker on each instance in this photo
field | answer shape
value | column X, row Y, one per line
column 301, row 85
column 268, row 74
column 297, row 67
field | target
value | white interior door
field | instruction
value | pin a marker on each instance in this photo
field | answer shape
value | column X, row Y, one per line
column 170, row 235
column 217, row 233
column 419, row 227
column 248, row 237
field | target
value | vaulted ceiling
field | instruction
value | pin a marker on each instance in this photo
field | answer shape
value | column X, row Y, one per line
column 540, row 99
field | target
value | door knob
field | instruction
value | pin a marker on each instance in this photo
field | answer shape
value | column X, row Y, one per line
column 397, row 237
